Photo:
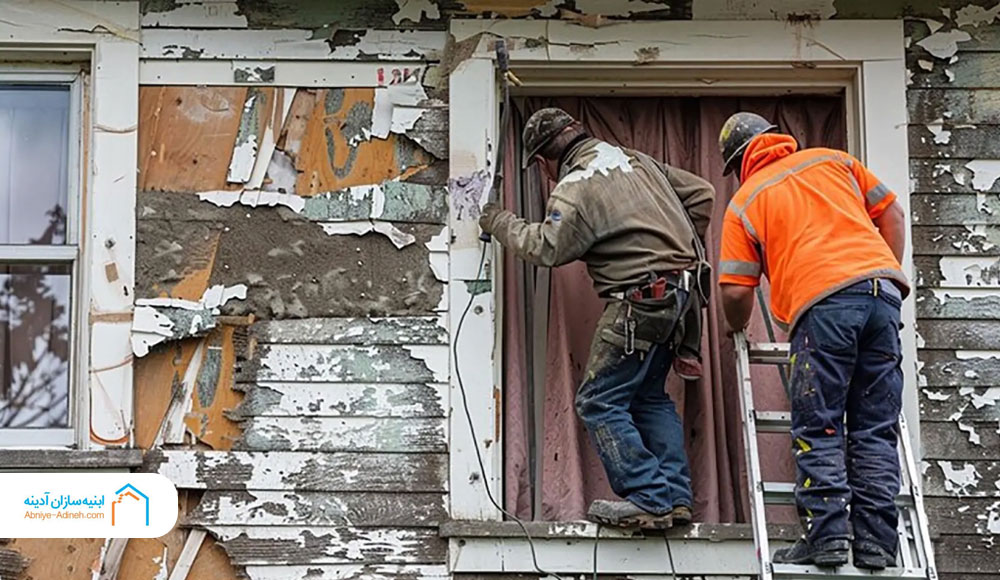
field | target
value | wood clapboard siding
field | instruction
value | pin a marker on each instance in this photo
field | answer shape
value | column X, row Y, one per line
column 954, row 144
column 302, row 471
column 247, row 545
column 342, row 457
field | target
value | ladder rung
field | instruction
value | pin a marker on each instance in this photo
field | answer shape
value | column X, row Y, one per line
column 775, row 353
column 788, row 572
column 781, row 493
column 773, row 421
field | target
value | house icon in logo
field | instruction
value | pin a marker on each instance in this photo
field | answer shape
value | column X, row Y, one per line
column 129, row 494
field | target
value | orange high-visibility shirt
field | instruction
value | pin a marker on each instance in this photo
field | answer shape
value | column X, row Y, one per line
column 805, row 219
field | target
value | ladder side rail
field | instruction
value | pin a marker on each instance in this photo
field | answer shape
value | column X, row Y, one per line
column 921, row 525
column 754, row 474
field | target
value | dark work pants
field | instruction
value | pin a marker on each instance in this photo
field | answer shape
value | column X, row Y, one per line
column 633, row 424
column 846, row 361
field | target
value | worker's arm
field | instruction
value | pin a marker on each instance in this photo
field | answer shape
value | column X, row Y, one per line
column 882, row 206
column 563, row 237
column 696, row 194
column 737, row 303
column 892, row 225
column 739, row 271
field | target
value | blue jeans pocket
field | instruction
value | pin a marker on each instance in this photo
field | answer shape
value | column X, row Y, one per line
column 834, row 327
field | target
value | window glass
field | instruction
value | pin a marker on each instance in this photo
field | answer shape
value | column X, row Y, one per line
column 34, row 149
column 34, row 345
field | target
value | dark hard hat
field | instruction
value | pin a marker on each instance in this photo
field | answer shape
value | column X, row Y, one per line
column 541, row 127
column 738, row 131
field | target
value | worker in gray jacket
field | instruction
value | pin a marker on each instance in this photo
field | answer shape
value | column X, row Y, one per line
column 638, row 225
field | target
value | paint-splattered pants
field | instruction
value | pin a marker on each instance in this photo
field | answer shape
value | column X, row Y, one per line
column 632, row 421
column 846, row 361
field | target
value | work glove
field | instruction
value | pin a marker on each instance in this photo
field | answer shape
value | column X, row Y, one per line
column 488, row 217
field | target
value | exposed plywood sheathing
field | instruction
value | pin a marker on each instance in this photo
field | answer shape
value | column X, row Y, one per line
column 157, row 376
column 214, row 394
column 336, row 151
column 187, row 137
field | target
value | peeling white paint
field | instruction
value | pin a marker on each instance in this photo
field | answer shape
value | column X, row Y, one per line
column 969, row 272
column 209, row 14
column 942, row 136
column 933, row 25
column 754, row 9
column 985, row 173
column 630, row 7
column 926, row 65
column 254, row 198
column 989, row 398
column 172, row 428
column 950, row 75
column 436, row 359
column 415, row 11
column 959, row 481
column 149, row 328
column 944, row 45
column 439, row 243
column 268, row 146
column 213, row 298
column 359, row 228
column 977, row 354
column 161, row 561
column 245, row 153
column 937, row 395
column 396, row 108
column 281, row 174
column 972, row 15
column 607, row 158
column 971, row 430
column 440, row 262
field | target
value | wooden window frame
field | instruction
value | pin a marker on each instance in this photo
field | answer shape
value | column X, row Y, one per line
column 865, row 58
column 71, row 76
column 102, row 40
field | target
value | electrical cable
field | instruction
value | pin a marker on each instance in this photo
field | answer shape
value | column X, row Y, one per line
column 475, row 439
column 597, row 541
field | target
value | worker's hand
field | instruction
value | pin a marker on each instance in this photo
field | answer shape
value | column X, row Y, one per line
column 488, row 216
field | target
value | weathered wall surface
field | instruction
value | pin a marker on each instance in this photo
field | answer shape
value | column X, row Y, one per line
column 292, row 359
column 292, row 293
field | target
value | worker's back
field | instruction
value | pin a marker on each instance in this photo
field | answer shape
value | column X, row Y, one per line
column 635, row 216
column 807, row 217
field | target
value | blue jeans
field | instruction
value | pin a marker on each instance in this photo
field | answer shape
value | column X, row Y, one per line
column 633, row 423
column 846, row 361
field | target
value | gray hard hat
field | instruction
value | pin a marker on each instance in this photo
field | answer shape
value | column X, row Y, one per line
column 541, row 128
column 738, row 131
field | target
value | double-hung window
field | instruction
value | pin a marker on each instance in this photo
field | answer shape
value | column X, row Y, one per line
column 40, row 216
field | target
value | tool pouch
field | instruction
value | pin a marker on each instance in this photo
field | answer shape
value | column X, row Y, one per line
column 638, row 325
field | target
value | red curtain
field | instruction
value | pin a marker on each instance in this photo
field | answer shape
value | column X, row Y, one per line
column 682, row 132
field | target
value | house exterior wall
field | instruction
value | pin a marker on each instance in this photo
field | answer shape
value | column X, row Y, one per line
column 292, row 288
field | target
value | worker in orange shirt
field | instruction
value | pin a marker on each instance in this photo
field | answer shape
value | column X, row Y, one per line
column 829, row 236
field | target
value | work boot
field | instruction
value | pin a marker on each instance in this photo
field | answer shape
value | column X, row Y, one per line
column 626, row 514
column 871, row 557
column 828, row 554
column 681, row 516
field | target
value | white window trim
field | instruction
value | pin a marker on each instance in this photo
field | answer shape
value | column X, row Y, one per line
column 739, row 57
column 54, row 33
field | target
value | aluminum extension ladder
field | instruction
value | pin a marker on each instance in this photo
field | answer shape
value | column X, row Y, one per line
column 916, row 553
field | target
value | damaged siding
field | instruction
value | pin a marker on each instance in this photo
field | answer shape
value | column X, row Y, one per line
column 292, row 291
column 954, row 112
